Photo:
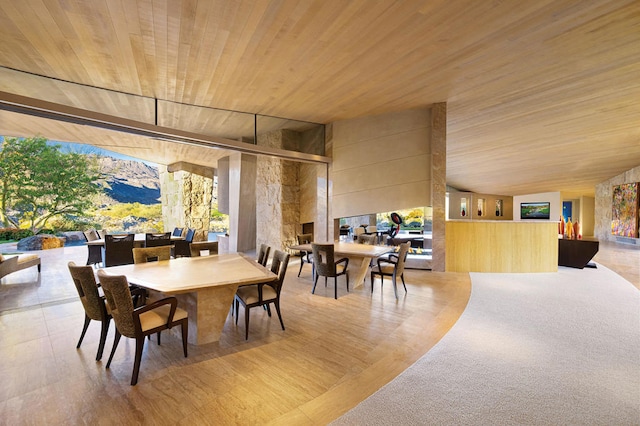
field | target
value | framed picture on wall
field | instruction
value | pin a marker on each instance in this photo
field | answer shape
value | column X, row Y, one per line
column 624, row 215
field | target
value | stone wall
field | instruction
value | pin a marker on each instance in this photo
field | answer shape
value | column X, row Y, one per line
column 186, row 201
column 604, row 202
column 278, row 196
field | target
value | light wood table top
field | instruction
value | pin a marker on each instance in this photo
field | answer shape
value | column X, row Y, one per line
column 351, row 249
column 359, row 256
column 187, row 274
column 205, row 286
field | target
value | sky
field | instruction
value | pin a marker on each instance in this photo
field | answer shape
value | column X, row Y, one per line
column 81, row 148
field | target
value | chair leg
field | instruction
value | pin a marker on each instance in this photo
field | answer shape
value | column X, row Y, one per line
column 347, row 275
column 138, row 359
column 159, row 337
column 301, row 265
column 185, row 335
column 268, row 309
column 335, row 285
column 237, row 314
column 315, row 281
column 395, row 287
column 246, row 323
column 103, row 338
column 372, row 278
column 403, row 284
column 277, row 305
column 116, row 340
column 87, row 320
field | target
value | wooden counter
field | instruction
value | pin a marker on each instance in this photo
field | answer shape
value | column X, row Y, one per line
column 501, row 246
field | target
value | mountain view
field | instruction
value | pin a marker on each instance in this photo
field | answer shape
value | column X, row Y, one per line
column 129, row 181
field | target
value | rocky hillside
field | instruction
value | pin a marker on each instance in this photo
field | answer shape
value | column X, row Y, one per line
column 129, row 182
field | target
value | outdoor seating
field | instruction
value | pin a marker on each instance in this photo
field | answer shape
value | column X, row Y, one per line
column 118, row 250
column 181, row 247
column 326, row 266
column 157, row 239
column 177, row 232
column 10, row 264
column 263, row 294
column 137, row 323
column 201, row 247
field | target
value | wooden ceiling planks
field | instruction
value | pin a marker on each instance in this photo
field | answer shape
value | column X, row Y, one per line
column 525, row 82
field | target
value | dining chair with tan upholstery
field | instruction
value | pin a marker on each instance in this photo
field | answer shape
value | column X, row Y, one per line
column 151, row 254
column 263, row 294
column 326, row 266
column 392, row 267
column 263, row 254
column 203, row 248
column 137, row 323
column 93, row 304
column 305, row 256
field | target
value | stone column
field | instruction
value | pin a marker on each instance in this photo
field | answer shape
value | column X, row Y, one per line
column 438, row 183
column 278, row 194
column 186, row 201
column 242, row 202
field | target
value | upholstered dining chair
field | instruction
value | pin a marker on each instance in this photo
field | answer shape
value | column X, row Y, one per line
column 392, row 267
column 118, row 250
column 93, row 304
column 305, row 256
column 177, row 232
column 150, row 254
column 199, row 248
column 137, row 323
column 152, row 239
column 181, row 247
column 263, row 254
column 326, row 266
column 263, row 294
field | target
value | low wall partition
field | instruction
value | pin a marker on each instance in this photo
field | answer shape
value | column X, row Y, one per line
column 501, row 246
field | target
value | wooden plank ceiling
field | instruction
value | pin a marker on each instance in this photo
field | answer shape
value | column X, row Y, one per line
column 542, row 95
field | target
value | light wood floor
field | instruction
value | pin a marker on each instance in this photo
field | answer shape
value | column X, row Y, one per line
column 333, row 354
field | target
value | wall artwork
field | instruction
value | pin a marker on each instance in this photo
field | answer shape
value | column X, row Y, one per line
column 624, row 217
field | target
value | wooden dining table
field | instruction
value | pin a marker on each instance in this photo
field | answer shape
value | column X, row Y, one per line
column 205, row 286
column 359, row 256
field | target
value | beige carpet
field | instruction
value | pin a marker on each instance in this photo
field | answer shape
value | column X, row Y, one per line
column 530, row 349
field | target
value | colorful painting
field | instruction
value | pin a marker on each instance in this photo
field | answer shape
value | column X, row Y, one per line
column 624, row 218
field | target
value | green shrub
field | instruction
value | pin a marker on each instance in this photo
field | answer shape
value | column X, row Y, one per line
column 14, row 234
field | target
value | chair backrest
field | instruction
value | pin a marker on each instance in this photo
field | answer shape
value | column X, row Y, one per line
column 118, row 295
column 305, row 238
column 87, row 288
column 197, row 247
column 263, row 254
column 177, row 232
column 157, row 239
column 359, row 230
column 101, row 233
column 279, row 265
column 323, row 259
column 118, row 249
column 372, row 229
column 151, row 254
column 91, row 235
column 402, row 257
column 190, row 234
column 367, row 239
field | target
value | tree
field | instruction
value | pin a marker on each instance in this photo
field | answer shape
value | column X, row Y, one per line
column 39, row 182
